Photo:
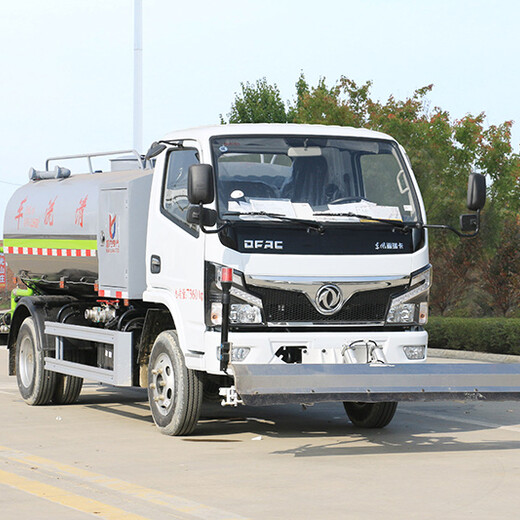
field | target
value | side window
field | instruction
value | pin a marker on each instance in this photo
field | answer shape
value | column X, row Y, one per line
column 175, row 194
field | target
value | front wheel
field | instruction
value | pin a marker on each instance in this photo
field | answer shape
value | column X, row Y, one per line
column 370, row 415
column 174, row 391
column 36, row 384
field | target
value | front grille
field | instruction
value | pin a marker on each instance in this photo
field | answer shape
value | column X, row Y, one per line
column 292, row 307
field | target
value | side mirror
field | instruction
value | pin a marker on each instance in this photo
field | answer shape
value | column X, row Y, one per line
column 469, row 223
column 476, row 191
column 203, row 217
column 200, row 184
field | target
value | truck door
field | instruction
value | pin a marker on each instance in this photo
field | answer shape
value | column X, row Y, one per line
column 176, row 248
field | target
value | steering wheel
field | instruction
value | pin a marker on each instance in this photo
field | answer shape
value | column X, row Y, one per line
column 347, row 199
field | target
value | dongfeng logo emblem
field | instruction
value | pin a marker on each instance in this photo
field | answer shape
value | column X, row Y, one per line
column 329, row 299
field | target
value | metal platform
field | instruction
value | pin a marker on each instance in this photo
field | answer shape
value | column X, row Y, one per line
column 301, row 383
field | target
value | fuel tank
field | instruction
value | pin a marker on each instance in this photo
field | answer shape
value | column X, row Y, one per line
column 81, row 234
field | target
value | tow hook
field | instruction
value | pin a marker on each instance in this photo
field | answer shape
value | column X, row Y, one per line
column 231, row 397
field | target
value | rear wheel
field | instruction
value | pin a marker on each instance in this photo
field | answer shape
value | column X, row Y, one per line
column 370, row 415
column 68, row 388
column 36, row 384
column 174, row 391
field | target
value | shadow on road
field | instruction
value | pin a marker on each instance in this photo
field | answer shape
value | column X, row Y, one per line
column 131, row 403
column 416, row 428
column 389, row 444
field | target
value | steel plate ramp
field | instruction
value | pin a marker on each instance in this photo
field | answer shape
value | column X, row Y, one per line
column 309, row 383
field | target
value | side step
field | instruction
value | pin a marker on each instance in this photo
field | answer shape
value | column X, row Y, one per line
column 121, row 375
column 301, row 383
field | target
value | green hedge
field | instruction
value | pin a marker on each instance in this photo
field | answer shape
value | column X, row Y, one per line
column 495, row 335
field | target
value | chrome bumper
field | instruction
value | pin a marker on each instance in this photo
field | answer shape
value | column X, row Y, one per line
column 306, row 383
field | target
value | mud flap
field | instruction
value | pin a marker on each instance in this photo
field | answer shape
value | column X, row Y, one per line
column 309, row 383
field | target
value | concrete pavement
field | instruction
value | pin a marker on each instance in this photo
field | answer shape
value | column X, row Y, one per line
column 103, row 458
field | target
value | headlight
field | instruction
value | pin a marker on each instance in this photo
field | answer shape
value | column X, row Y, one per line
column 245, row 308
column 412, row 306
column 238, row 313
column 244, row 314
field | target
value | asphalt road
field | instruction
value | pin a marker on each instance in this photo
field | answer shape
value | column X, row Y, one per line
column 103, row 458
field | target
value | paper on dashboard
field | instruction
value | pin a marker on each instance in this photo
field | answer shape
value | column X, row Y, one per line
column 278, row 206
column 367, row 208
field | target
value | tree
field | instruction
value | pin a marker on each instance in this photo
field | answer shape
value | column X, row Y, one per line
column 456, row 269
column 259, row 103
column 501, row 271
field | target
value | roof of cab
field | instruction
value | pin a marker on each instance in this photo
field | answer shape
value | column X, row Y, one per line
column 206, row 132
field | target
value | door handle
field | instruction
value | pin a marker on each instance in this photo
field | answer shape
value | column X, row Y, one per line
column 155, row 264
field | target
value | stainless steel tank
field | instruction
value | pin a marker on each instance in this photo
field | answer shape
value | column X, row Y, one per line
column 53, row 229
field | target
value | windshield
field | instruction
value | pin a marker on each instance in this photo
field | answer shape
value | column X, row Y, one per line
column 323, row 178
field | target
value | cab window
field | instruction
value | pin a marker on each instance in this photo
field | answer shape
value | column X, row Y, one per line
column 175, row 191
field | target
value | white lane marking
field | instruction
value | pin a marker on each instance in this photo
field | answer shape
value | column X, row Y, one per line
column 464, row 420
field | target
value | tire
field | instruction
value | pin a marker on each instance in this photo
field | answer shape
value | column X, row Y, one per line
column 36, row 385
column 211, row 392
column 370, row 415
column 174, row 391
column 68, row 388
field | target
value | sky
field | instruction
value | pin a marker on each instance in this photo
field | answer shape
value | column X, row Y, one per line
column 66, row 66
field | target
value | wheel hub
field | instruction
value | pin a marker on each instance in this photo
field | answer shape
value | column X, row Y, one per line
column 163, row 384
column 26, row 362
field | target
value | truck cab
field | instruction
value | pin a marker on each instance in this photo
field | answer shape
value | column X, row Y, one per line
column 322, row 228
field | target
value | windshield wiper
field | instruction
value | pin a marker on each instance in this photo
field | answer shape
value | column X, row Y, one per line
column 405, row 226
column 309, row 224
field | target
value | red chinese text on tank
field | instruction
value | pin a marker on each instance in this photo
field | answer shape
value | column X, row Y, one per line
column 49, row 213
column 19, row 214
column 80, row 210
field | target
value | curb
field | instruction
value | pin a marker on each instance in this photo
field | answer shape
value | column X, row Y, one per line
column 475, row 356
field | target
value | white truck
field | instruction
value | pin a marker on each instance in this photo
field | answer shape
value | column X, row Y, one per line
column 267, row 263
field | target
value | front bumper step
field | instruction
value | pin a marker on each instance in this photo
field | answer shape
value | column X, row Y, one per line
column 309, row 383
